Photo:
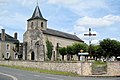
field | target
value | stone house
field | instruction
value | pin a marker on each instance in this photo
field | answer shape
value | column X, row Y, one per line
column 34, row 39
column 9, row 46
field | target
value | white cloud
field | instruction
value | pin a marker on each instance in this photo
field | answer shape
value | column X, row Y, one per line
column 86, row 39
column 29, row 3
column 82, row 7
column 3, row 2
column 95, row 41
column 84, row 23
column 1, row 27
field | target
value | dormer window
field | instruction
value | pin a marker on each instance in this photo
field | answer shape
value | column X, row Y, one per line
column 41, row 24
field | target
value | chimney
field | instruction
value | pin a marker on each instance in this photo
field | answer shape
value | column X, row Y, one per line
column 3, row 34
column 15, row 35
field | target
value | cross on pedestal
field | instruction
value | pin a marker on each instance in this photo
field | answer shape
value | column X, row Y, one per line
column 90, row 34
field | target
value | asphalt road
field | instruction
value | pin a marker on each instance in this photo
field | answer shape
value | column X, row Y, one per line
column 3, row 77
column 14, row 74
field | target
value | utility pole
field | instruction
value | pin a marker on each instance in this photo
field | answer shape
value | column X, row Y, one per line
column 90, row 34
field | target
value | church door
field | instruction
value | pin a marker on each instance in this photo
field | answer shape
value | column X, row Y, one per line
column 32, row 56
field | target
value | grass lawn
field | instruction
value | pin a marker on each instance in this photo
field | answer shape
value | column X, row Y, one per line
column 42, row 71
column 99, row 63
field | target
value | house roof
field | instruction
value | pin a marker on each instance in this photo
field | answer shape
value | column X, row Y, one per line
column 37, row 14
column 9, row 38
column 61, row 34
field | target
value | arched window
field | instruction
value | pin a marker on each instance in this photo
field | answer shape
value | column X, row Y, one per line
column 15, row 56
column 41, row 24
column 32, row 25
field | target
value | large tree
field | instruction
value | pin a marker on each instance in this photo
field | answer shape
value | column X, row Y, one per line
column 79, row 46
column 111, row 47
column 62, row 52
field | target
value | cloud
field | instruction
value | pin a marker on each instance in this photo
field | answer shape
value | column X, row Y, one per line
column 86, row 39
column 1, row 27
column 29, row 3
column 82, row 7
column 13, row 20
column 3, row 2
column 84, row 23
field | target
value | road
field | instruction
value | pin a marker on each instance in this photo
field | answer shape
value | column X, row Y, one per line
column 15, row 74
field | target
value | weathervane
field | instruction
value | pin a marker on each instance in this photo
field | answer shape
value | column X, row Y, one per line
column 90, row 34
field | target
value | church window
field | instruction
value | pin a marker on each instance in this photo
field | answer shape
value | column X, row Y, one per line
column 42, row 24
column 15, row 56
column 32, row 25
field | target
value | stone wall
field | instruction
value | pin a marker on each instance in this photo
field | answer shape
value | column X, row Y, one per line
column 79, row 68
column 84, row 68
column 113, row 68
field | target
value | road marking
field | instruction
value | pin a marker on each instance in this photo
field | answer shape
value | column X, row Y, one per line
column 53, row 78
column 14, row 78
column 37, row 75
column 49, row 77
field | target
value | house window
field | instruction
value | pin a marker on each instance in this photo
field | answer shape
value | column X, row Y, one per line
column 7, row 55
column 7, row 46
column 42, row 24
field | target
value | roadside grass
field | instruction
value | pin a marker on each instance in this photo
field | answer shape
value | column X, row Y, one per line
column 42, row 71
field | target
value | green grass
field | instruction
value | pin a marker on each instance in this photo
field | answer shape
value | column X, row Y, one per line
column 99, row 63
column 42, row 71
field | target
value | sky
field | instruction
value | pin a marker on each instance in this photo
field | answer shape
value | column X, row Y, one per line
column 70, row 16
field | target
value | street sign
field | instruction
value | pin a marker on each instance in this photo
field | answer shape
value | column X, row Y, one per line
column 83, row 53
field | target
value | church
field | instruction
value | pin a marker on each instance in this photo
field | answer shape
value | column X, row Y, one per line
column 34, row 39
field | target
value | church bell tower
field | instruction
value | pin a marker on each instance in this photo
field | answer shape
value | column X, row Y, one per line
column 33, row 48
column 37, row 21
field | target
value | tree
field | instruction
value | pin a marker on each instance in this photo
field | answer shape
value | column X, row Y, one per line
column 62, row 52
column 49, row 49
column 111, row 47
column 98, row 52
column 79, row 46
column 69, row 52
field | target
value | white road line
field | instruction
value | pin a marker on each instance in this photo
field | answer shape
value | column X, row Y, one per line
column 14, row 78
column 49, row 77
column 53, row 78
column 37, row 75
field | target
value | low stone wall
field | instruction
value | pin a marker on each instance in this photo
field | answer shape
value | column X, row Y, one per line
column 113, row 68
column 79, row 68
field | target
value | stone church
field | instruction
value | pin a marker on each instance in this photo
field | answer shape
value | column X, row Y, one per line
column 34, row 39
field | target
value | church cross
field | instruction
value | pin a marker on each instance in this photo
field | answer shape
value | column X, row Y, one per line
column 90, row 34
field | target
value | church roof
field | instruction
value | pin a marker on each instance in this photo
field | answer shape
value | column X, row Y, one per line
column 9, row 38
column 37, row 14
column 61, row 34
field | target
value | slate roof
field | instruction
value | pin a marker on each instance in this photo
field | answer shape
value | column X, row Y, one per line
column 37, row 14
column 9, row 38
column 61, row 34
